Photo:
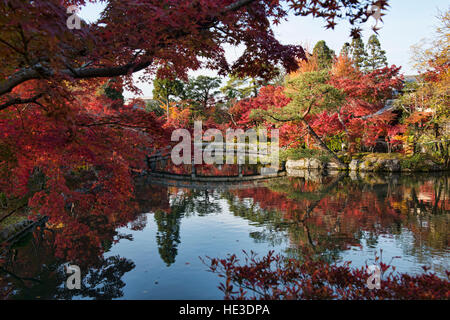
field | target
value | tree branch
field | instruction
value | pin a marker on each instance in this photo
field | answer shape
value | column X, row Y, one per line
column 113, row 71
column 282, row 120
column 114, row 123
column 20, row 101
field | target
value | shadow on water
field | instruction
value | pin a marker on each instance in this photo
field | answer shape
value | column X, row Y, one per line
column 340, row 217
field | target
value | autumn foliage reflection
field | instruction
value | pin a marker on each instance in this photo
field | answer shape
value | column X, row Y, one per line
column 338, row 213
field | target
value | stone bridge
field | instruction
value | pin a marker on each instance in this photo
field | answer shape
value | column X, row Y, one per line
column 162, row 157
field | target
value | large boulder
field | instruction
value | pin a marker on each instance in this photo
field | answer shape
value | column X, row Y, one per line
column 300, row 173
column 334, row 166
column 313, row 175
column 315, row 164
column 392, row 165
column 13, row 229
column 354, row 165
column 373, row 163
column 431, row 166
column 297, row 164
column 366, row 165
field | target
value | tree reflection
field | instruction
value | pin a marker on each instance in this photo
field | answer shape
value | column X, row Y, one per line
column 183, row 203
column 102, row 282
column 325, row 217
column 168, row 235
column 33, row 268
column 338, row 213
column 32, row 271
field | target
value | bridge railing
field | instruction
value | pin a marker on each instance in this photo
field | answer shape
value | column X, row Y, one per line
column 227, row 149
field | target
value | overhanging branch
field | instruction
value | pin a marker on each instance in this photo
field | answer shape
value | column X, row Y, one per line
column 16, row 101
column 39, row 71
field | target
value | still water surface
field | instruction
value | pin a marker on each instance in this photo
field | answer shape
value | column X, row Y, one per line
column 156, row 253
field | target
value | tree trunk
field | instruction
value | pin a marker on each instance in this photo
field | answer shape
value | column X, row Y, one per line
column 322, row 145
column 436, row 136
column 167, row 108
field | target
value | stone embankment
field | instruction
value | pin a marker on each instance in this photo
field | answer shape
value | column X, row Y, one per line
column 367, row 163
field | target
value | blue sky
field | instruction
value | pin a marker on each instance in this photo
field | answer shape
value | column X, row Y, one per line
column 406, row 23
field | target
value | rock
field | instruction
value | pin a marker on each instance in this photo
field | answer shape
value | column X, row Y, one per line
column 392, row 165
column 362, row 175
column 14, row 229
column 354, row 165
column 375, row 164
column 353, row 175
column 296, row 164
column 431, row 166
column 296, row 172
column 315, row 164
column 367, row 165
column 313, row 175
column 333, row 166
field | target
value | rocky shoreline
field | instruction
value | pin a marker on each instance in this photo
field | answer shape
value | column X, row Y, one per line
column 366, row 163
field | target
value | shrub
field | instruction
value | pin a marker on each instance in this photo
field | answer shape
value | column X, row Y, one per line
column 273, row 277
column 417, row 161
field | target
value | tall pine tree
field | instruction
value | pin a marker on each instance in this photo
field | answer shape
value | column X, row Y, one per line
column 165, row 90
column 323, row 54
column 358, row 52
column 376, row 57
column 345, row 51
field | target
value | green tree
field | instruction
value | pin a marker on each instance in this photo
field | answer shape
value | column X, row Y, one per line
column 202, row 90
column 376, row 57
column 346, row 49
column 165, row 90
column 155, row 107
column 238, row 88
column 310, row 94
column 358, row 52
column 323, row 54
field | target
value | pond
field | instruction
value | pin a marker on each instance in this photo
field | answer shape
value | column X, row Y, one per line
column 155, row 253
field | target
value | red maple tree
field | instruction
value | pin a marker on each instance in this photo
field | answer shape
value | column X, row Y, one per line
column 72, row 151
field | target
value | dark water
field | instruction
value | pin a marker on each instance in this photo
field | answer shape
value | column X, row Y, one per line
column 154, row 253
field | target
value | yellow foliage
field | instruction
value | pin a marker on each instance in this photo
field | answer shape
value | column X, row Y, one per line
column 436, row 53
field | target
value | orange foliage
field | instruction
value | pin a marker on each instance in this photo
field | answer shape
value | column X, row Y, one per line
column 344, row 67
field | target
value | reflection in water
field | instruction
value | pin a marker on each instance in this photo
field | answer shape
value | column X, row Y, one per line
column 33, row 272
column 182, row 204
column 168, row 236
column 340, row 213
column 338, row 218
